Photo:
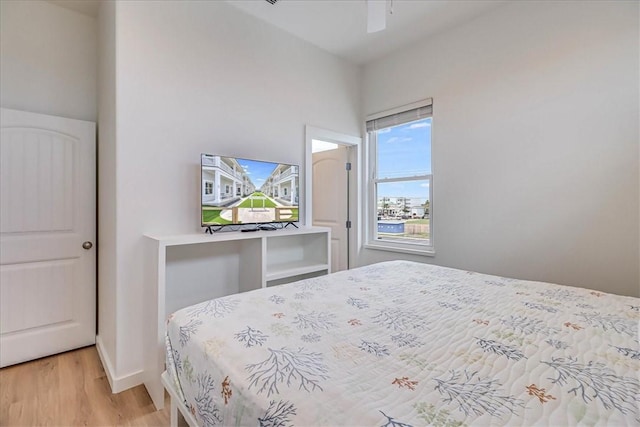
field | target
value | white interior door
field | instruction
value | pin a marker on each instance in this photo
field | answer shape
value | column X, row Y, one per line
column 47, row 214
column 329, row 208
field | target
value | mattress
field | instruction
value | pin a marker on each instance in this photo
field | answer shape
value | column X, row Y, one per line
column 408, row 344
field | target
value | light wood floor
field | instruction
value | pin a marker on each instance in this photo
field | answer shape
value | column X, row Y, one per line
column 71, row 389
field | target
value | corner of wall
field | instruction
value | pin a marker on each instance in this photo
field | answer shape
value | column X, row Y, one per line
column 121, row 383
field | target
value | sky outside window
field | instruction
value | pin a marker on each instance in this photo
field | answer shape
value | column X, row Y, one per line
column 416, row 191
column 405, row 151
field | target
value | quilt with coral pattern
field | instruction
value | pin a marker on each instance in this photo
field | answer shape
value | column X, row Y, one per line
column 401, row 344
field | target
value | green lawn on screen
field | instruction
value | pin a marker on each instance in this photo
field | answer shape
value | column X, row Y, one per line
column 257, row 203
column 294, row 214
column 212, row 216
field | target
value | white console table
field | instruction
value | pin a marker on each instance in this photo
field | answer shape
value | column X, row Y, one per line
column 187, row 269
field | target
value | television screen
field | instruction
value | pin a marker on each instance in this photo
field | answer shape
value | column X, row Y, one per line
column 243, row 191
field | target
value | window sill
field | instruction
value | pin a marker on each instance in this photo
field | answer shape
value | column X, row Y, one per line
column 402, row 248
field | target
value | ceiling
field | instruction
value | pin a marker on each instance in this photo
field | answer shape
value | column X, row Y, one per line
column 86, row 7
column 340, row 26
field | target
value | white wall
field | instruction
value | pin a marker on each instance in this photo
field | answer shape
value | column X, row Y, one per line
column 49, row 59
column 535, row 140
column 196, row 77
column 107, row 200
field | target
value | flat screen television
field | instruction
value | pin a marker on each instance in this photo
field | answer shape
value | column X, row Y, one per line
column 238, row 191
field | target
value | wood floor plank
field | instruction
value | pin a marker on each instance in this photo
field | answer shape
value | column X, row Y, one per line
column 71, row 389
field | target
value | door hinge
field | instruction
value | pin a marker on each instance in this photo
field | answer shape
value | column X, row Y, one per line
column 348, row 224
column 348, row 166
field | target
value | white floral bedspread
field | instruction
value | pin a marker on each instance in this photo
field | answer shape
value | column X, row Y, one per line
column 407, row 344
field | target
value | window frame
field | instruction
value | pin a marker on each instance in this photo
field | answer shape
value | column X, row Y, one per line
column 208, row 188
column 372, row 181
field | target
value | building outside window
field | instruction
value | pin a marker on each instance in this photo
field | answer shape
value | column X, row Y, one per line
column 400, row 179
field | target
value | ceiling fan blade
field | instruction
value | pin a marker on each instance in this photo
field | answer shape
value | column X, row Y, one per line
column 376, row 15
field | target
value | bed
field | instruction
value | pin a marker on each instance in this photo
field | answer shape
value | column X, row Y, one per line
column 400, row 344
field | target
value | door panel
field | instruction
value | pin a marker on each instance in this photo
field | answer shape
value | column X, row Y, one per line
column 39, row 166
column 47, row 210
column 22, row 295
column 329, row 206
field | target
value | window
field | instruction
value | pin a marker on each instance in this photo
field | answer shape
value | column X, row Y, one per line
column 400, row 179
column 208, row 187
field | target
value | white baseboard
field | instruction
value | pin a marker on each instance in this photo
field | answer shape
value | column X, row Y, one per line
column 117, row 384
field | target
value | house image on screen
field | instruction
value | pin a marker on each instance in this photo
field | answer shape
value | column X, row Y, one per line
column 224, row 181
column 282, row 185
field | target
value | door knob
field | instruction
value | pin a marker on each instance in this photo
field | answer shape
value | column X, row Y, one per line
column 87, row 245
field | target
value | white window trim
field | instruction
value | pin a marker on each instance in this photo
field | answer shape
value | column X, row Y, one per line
column 371, row 217
column 205, row 187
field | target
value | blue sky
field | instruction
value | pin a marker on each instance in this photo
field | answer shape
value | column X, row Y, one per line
column 405, row 150
column 258, row 171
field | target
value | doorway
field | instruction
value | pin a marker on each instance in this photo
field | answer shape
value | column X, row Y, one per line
column 332, row 191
